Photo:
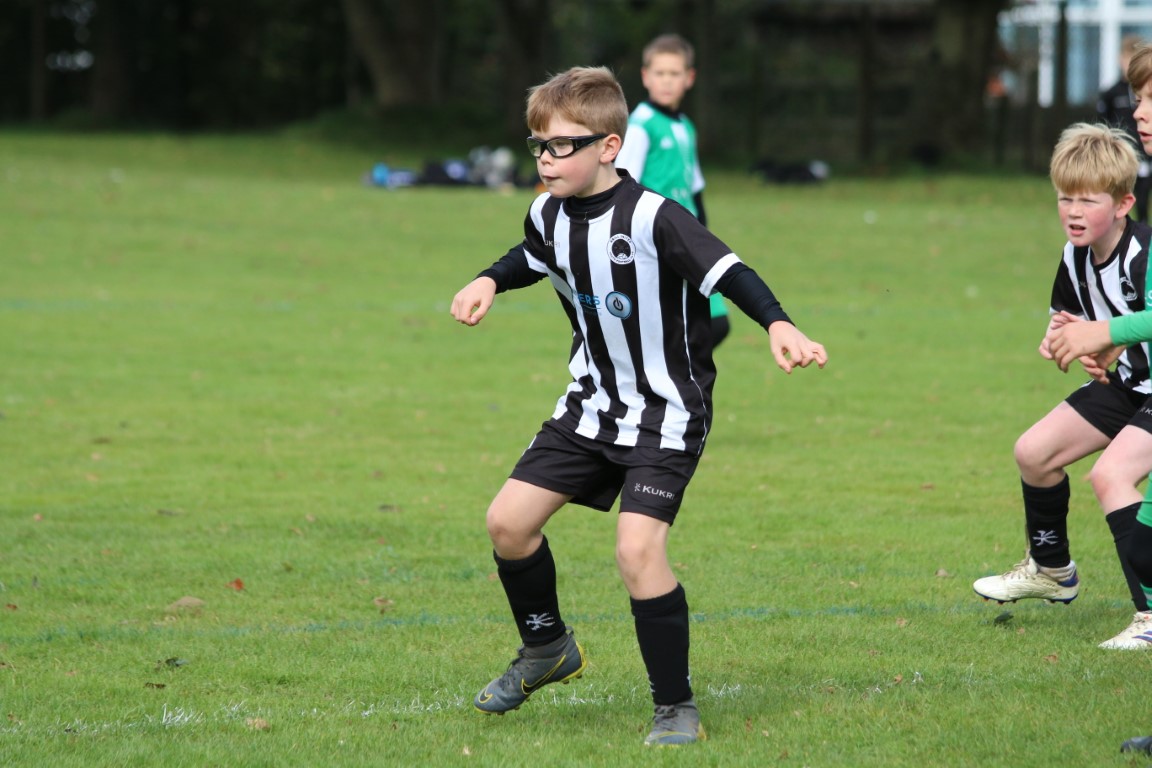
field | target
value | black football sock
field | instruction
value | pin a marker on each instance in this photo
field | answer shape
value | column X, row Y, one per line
column 662, row 632
column 1122, row 523
column 1046, row 518
column 1140, row 555
column 530, row 585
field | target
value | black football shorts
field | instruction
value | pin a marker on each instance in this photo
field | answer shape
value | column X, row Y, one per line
column 649, row 481
column 1111, row 407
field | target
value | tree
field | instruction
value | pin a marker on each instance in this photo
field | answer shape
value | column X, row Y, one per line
column 964, row 48
column 399, row 48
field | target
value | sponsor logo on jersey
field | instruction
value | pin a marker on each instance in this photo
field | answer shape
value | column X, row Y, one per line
column 589, row 302
column 618, row 305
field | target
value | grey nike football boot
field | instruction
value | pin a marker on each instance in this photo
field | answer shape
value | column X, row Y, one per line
column 534, row 667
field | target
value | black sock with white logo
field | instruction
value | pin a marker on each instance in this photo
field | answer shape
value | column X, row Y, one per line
column 530, row 585
column 1046, row 517
column 662, row 632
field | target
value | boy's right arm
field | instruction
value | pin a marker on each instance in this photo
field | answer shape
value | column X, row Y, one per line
column 473, row 301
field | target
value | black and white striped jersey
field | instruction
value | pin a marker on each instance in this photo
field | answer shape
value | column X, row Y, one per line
column 633, row 274
column 1113, row 288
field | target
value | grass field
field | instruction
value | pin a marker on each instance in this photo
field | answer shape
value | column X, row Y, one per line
column 246, row 456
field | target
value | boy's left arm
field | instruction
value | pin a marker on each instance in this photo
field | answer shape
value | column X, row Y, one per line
column 791, row 348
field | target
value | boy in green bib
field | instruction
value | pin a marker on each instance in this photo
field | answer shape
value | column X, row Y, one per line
column 660, row 146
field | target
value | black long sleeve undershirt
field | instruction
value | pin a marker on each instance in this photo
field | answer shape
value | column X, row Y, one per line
column 740, row 284
column 512, row 271
column 752, row 295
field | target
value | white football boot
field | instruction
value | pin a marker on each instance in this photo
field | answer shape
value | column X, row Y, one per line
column 1137, row 637
column 1026, row 579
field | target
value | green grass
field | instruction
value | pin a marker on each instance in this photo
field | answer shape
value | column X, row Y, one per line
column 224, row 358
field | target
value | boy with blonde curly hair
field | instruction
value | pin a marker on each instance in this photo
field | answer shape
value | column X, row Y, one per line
column 1101, row 275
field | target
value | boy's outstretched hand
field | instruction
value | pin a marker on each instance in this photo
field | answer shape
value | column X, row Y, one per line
column 791, row 348
column 474, row 300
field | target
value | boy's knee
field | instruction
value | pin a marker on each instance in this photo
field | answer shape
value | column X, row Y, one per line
column 1100, row 479
column 1106, row 478
column 1024, row 452
column 634, row 555
column 511, row 538
column 627, row 554
column 501, row 527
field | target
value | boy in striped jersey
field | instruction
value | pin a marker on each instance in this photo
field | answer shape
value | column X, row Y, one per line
column 633, row 273
column 1101, row 275
column 660, row 147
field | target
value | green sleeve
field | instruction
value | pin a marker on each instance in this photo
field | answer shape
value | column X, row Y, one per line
column 1131, row 329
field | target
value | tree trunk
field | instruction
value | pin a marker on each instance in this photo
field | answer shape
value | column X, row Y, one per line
column 38, row 67
column 964, row 48
column 111, row 81
column 398, row 48
column 524, row 25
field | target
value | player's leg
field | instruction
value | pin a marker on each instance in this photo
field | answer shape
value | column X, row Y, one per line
column 642, row 556
column 516, row 518
column 660, row 612
column 1047, row 571
column 527, row 572
column 1139, row 633
column 524, row 560
column 649, row 504
column 1115, row 478
column 1121, row 468
column 1061, row 438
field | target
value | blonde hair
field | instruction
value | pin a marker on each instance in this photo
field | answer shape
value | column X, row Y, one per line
column 1139, row 67
column 589, row 96
column 669, row 44
column 1094, row 158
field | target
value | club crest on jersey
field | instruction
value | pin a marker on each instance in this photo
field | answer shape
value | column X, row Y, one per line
column 621, row 249
column 1128, row 289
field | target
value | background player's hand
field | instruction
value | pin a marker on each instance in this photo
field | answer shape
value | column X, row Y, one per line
column 1073, row 341
column 474, row 300
column 1055, row 323
column 792, row 348
column 1096, row 366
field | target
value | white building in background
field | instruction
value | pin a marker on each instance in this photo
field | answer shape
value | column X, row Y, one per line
column 1095, row 28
